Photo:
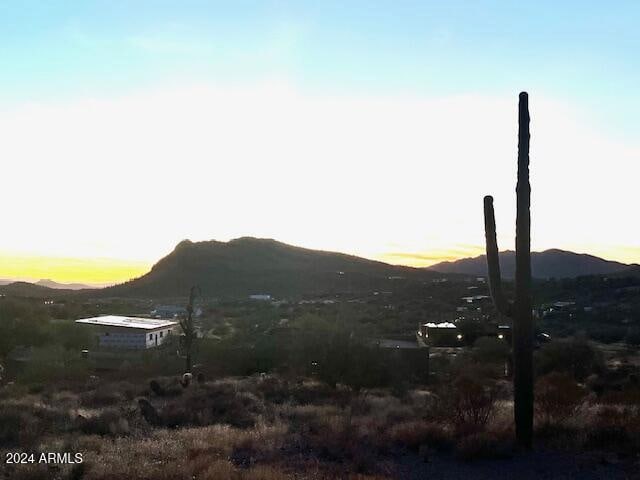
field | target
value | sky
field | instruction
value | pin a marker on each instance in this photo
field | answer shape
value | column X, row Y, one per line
column 371, row 128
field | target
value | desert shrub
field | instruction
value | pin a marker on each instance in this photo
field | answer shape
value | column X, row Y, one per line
column 77, row 471
column 100, row 397
column 417, row 433
column 211, row 404
column 24, row 424
column 575, row 357
column 31, row 472
column 614, row 416
column 620, row 385
column 53, row 364
column 626, row 395
column 558, row 435
column 558, row 397
column 35, row 388
column 471, row 402
column 465, row 365
column 12, row 391
column 490, row 350
column 71, row 335
column 302, row 392
column 607, row 333
column 166, row 387
column 333, row 438
column 481, row 446
column 607, row 437
column 14, row 423
column 108, row 422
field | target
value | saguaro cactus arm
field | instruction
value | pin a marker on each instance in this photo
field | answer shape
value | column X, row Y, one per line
column 493, row 261
column 520, row 310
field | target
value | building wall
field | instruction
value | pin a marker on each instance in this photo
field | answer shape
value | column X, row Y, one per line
column 157, row 337
column 121, row 338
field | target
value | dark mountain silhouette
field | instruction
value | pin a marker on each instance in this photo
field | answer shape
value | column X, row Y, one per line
column 26, row 289
column 248, row 265
column 548, row 264
column 632, row 271
column 67, row 286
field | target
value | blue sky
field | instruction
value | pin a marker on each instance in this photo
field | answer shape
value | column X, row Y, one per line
column 369, row 96
column 583, row 51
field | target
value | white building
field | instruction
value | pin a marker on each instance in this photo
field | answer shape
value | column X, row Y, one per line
column 260, row 296
column 135, row 333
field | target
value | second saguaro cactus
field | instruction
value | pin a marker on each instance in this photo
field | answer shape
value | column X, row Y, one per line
column 520, row 310
column 189, row 331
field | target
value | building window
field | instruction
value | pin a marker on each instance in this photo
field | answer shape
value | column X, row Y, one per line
column 151, row 336
column 160, row 334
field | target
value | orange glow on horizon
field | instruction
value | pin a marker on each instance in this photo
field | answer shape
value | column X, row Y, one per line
column 94, row 271
column 431, row 257
column 106, row 271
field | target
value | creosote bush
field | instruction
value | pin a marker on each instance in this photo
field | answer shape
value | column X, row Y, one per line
column 558, row 397
column 575, row 356
column 471, row 402
column 414, row 434
column 110, row 422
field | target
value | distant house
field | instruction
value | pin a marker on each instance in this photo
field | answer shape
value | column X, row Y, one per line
column 321, row 301
column 476, row 298
column 168, row 311
column 445, row 334
column 261, row 296
column 504, row 333
column 132, row 333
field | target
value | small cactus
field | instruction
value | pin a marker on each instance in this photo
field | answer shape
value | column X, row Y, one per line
column 149, row 412
column 156, row 388
column 186, row 380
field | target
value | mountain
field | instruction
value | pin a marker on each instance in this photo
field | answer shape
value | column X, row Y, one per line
column 67, row 286
column 248, row 265
column 632, row 271
column 26, row 289
column 548, row 264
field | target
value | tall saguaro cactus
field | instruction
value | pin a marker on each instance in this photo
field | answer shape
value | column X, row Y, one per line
column 189, row 330
column 520, row 309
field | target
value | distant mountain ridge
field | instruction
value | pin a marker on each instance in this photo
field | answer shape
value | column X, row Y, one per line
column 552, row 263
column 57, row 285
column 249, row 265
column 26, row 289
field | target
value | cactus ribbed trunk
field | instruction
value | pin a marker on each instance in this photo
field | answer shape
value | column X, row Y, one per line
column 189, row 331
column 520, row 310
column 523, row 321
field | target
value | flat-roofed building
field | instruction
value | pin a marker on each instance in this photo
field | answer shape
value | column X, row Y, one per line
column 445, row 334
column 135, row 333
